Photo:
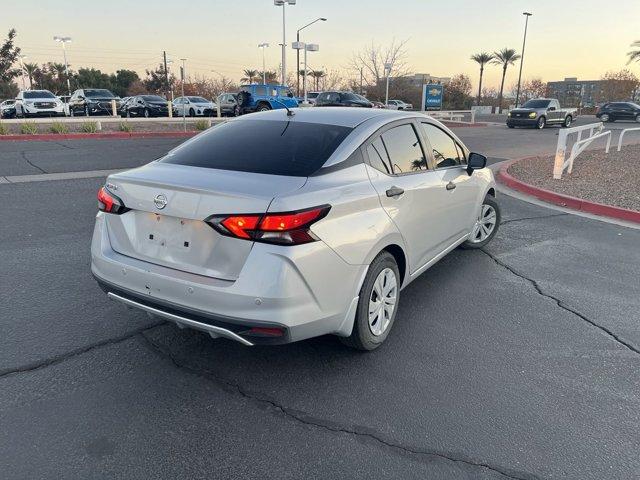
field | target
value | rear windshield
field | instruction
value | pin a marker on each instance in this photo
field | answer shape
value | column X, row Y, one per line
column 153, row 98
column 536, row 104
column 98, row 92
column 295, row 149
column 39, row 94
column 198, row 100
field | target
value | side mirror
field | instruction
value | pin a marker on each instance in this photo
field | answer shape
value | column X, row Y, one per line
column 551, row 109
column 475, row 162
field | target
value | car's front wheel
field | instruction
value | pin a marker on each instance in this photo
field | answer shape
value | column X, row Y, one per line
column 541, row 123
column 605, row 117
column 567, row 121
column 263, row 107
column 486, row 225
column 638, row 118
column 377, row 304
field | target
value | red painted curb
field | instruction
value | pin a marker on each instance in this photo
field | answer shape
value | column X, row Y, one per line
column 565, row 200
column 81, row 136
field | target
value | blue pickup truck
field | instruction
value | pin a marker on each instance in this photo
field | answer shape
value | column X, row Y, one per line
column 260, row 97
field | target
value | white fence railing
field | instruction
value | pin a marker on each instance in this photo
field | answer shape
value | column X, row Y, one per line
column 636, row 129
column 595, row 132
column 452, row 115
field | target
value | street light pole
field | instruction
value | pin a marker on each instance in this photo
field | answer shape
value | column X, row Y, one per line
column 264, row 71
column 182, row 75
column 64, row 41
column 321, row 19
column 387, row 67
column 524, row 41
column 283, row 4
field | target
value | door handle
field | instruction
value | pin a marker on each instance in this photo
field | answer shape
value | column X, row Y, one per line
column 394, row 192
column 451, row 186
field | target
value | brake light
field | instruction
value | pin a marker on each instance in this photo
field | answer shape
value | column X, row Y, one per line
column 109, row 203
column 289, row 228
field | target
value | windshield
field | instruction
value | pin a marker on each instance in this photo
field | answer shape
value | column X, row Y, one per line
column 39, row 94
column 153, row 98
column 312, row 94
column 98, row 93
column 198, row 100
column 536, row 104
column 295, row 149
column 285, row 92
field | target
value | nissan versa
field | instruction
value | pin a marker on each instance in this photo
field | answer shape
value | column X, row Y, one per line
column 285, row 225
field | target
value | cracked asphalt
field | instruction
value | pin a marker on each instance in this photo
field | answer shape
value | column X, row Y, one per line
column 518, row 361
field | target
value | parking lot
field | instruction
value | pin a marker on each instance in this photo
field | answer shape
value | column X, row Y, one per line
column 520, row 360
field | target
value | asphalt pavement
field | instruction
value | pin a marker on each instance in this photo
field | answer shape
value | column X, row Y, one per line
column 518, row 361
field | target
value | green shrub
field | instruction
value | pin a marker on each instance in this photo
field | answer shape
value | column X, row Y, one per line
column 125, row 127
column 59, row 127
column 3, row 130
column 89, row 127
column 28, row 128
column 202, row 124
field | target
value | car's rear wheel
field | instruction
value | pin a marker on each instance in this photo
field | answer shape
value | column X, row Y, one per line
column 638, row 118
column 567, row 121
column 377, row 304
column 263, row 107
column 511, row 126
column 541, row 123
column 486, row 225
column 192, row 112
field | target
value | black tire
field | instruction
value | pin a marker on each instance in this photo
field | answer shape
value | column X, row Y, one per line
column 192, row 112
column 606, row 118
column 567, row 121
column 638, row 118
column 541, row 123
column 263, row 107
column 488, row 200
column 362, row 338
column 511, row 126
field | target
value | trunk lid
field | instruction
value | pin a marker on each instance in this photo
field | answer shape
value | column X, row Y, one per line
column 169, row 204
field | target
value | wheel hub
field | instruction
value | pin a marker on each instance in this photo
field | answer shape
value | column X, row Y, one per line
column 382, row 301
column 485, row 224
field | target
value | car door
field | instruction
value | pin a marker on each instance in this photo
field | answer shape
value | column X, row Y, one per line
column 178, row 104
column 461, row 191
column 410, row 192
column 553, row 112
column 626, row 111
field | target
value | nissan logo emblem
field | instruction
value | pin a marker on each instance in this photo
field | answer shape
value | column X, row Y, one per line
column 160, row 201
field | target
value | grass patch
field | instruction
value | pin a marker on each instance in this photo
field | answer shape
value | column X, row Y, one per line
column 3, row 129
column 89, row 127
column 59, row 127
column 28, row 128
column 202, row 124
column 125, row 127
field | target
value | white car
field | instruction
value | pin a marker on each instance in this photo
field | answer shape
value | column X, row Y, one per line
column 194, row 107
column 279, row 226
column 399, row 105
column 38, row 103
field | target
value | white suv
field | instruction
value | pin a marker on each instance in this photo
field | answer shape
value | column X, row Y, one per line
column 194, row 107
column 399, row 105
column 38, row 103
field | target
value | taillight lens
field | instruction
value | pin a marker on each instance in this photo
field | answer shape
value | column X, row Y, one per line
column 109, row 203
column 289, row 228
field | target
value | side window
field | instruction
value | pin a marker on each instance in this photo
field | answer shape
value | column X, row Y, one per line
column 261, row 90
column 333, row 97
column 446, row 152
column 404, row 149
column 378, row 157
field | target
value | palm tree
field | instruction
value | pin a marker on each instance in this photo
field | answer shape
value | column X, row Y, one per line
column 249, row 75
column 317, row 75
column 504, row 57
column 269, row 76
column 31, row 69
column 482, row 59
column 634, row 56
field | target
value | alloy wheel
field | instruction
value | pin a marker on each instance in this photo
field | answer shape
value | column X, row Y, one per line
column 485, row 224
column 382, row 301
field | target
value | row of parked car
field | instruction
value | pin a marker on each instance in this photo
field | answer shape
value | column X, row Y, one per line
column 251, row 98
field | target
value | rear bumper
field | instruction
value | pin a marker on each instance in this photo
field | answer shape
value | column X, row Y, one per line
column 306, row 291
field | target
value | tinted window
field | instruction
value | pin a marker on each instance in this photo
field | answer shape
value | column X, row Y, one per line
column 350, row 96
column 98, row 92
column 404, row 149
column 446, row 152
column 262, row 146
column 261, row 90
column 198, row 99
column 536, row 104
column 378, row 157
column 39, row 94
column 312, row 94
column 153, row 98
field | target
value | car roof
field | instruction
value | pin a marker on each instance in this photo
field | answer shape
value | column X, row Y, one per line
column 341, row 116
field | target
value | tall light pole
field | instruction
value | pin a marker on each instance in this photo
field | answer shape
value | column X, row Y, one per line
column 321, row 19
column 307, row 47
column 182, row 75
column 387, row 67
column 283, row 4
column 524, row 41
column 264, row 68
column 64, row 40
column 22, row 57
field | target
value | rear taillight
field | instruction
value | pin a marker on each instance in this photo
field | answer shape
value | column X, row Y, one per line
column 108, row 202
column 289, row 228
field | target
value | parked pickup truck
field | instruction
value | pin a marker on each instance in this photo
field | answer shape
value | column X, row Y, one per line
column 541, row 112
column 259, row 98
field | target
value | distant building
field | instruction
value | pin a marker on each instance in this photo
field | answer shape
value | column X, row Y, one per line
column 419, row 79
column 572, row 92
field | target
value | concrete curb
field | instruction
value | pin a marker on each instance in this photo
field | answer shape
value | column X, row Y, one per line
column 565, row 200
column 83, row 136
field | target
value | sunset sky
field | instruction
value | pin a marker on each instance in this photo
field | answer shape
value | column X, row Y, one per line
column 582, row 38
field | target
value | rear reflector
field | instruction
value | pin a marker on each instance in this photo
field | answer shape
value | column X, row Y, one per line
column 108, row 202
column 289, row 228
column 266, row 332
